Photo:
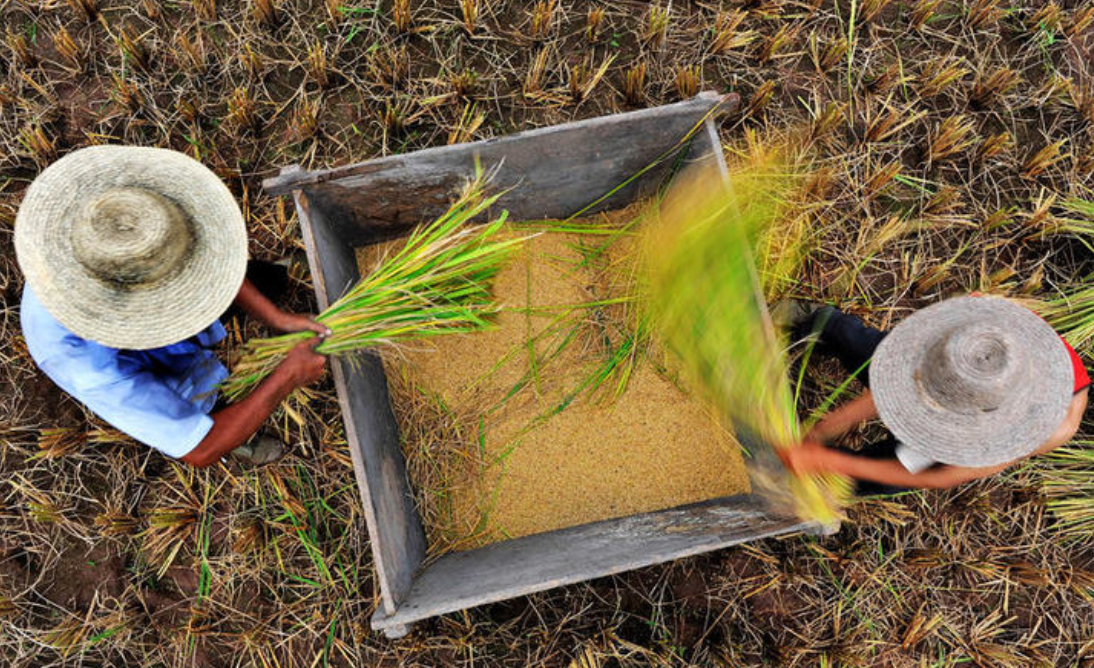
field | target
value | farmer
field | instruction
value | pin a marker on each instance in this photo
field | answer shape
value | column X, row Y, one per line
column 131, row 255
column 966, row 387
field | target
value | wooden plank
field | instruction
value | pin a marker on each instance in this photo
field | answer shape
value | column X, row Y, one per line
column 546, row 173
column 294, row 178
column 332, row 262
column 534, row 563
column 713, row 145
column 395, row 533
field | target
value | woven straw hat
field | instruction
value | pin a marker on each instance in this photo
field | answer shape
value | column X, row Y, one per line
column 972, row 381
column 131, row 247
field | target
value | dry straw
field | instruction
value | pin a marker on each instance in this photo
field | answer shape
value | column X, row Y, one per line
column 1072, row 314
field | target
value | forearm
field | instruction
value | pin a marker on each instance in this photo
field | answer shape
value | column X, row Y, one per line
column 892, row 472
column 232, row 426
column 829, row 428
column 842, row 419
column 255, row 304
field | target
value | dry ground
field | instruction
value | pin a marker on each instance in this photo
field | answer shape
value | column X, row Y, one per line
column 945, row 135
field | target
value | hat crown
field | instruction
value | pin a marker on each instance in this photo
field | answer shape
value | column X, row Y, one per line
column 971, row 369
column 131, row 236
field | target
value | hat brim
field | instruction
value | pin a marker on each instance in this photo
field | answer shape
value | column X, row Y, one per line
column 173, row 308
column 1027, row 416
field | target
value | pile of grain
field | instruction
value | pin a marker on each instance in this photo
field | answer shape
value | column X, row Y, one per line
column 499, row 442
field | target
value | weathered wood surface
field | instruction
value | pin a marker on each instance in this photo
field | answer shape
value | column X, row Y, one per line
column 714, row 150
column 548, row 172
column 395, row 533
column 333, row 262
column 543, row 561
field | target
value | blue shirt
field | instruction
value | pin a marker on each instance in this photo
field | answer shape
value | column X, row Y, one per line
column 161, row 397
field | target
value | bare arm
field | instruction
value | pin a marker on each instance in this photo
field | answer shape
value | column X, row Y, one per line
column 812, row 457
column 839, row 421
column 255, row 304
column 892, row 472
column 232, row 426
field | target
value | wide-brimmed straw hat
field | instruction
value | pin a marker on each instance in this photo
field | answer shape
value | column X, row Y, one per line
column 972, row 381
column 131, row 247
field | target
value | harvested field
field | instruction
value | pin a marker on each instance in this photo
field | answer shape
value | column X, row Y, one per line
column 944, row 137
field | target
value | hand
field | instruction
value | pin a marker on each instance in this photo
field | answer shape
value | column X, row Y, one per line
column 805, row 458
column 303, row 364
column 300, row 322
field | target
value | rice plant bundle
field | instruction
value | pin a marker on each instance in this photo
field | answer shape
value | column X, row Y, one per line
column 438, row 283
column 706, row 301
column 1072, row 315
column 1069, row 486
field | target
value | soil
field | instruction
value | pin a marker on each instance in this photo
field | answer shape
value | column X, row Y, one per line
column 537, row 454
column 81, row 575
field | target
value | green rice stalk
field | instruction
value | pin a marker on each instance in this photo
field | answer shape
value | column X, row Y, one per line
column 706, row 302
column 787, row 242
column 675, row 150
column 1084, row 210
column 625, row 339
column 782, row 250
column 1079, row 222
column 438, row 283
column 618, row 363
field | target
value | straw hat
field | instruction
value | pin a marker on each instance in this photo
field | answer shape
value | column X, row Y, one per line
column 131, row 247
column 972, row 381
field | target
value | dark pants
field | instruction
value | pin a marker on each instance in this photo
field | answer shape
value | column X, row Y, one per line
column 853, row 342
column 272, row 280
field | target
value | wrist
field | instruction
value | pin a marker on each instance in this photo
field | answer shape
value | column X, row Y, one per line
column 285, row 376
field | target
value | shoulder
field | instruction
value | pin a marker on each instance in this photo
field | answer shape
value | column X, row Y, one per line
column 44, row 335
column 72, row 362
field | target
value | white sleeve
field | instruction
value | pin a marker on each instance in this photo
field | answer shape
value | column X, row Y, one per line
column 912, row 460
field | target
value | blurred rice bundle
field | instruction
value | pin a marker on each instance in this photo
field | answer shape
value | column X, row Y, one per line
column 705, row 297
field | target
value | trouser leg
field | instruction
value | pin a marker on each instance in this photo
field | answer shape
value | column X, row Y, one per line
column 272, row 280
column 852, row 341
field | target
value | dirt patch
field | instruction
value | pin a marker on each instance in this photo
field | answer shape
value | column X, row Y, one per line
column 690, row 588
column 82, row 575
column 540, row 450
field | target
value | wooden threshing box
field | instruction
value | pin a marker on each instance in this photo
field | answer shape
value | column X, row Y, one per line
column 550, row 172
